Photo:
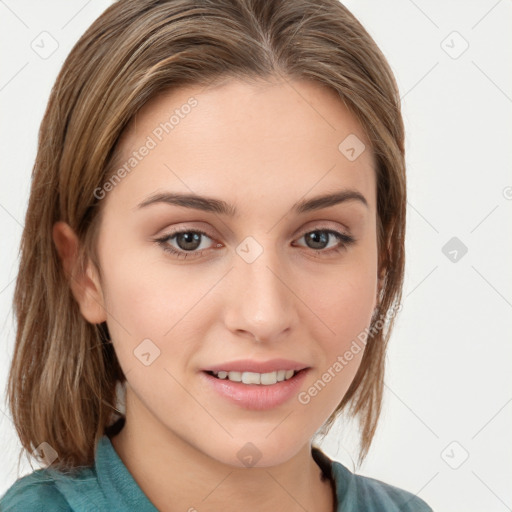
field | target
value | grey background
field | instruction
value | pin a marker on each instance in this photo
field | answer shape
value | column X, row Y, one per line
column 445, row 429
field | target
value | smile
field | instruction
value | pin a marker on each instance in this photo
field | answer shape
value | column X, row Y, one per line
column 260, row 391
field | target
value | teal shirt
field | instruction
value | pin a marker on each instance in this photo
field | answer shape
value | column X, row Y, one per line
column 109, row 486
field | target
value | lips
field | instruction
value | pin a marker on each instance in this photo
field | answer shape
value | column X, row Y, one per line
column 248, row 365
column 254, row 397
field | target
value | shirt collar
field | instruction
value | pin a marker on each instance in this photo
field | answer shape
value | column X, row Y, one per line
column 118, row 485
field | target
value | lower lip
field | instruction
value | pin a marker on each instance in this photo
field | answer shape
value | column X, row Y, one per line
column 257, row 397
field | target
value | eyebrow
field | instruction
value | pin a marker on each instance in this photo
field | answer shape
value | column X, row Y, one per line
column 211, row 204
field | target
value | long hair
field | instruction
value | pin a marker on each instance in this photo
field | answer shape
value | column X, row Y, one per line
column 63, row 377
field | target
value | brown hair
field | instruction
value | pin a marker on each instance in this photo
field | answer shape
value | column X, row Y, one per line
column 62, row 382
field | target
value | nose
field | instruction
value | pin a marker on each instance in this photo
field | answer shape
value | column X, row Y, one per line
column 260, row 300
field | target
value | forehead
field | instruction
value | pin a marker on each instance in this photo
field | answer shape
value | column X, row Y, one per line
column 249, row 138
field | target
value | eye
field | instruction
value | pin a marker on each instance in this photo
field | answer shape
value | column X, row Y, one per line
column 188, row 242
column 318, row 238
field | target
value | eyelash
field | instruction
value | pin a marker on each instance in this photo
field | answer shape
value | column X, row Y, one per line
column 346, row 240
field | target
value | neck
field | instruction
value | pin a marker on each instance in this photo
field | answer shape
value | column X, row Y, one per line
column 174, row 475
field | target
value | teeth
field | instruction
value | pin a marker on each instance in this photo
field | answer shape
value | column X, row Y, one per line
column 265, row 379
column 251, row 378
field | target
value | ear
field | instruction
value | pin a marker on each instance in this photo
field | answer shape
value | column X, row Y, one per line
column 85, row 284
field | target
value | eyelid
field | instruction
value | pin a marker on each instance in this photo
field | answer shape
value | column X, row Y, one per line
column 323, row 224
column 185, row 229
column 312, row 226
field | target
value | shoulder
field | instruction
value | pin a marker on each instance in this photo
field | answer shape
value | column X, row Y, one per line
column 396, row 499
column 36, row 492
column 372, row 495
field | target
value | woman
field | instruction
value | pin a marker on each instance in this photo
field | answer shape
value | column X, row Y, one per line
column 212, row 258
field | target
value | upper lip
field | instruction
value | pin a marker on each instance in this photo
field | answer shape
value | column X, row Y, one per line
column 248, row 365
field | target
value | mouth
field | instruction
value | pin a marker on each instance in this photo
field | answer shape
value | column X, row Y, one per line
column 254, row 378
column 255, row 391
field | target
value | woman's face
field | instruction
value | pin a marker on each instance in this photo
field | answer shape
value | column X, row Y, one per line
column 272, row 281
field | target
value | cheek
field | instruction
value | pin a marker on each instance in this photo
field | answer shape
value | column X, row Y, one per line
column 138, row 301
column 144, row 294
column 344, row 300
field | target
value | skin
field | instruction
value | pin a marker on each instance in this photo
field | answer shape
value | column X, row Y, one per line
column 261, row 147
